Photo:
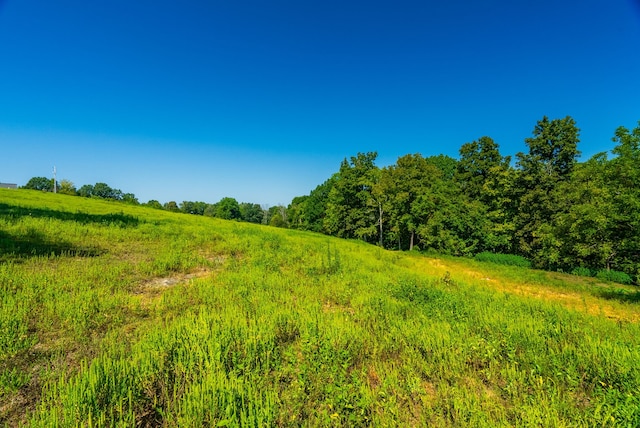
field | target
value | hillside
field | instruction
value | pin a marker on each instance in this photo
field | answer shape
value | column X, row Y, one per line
column 118, row 315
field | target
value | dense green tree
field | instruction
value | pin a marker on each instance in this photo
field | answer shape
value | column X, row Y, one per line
column 66, row 187
column 101, row 190
column 450, row 222
column 584, row 229
column 189, row 207
column 277, row 216
column 446, row 164
column 228, row 209
column 553, row 152
column 154, row 204
column 252, row 213
column 500, row 197
column 172, row 206
column 86, row 191
column 309, row 212
column 296, row 211
column 350, row 212
column 411, row 178
column 130, row 198
column 210, row 210
column 484, row 175
column 40, row 183
column 623, row 179
column 479, row 161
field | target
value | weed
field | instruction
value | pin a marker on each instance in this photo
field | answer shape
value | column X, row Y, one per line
column 614, row 276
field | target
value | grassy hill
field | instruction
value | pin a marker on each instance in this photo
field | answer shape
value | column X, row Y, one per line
column 116, row 315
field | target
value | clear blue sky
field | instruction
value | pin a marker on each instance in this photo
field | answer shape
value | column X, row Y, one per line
column 261, row 100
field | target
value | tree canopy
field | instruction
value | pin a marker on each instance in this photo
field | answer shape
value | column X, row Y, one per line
column 548, row 207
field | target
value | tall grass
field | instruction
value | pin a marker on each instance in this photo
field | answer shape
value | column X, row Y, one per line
column 179, row 320
column 503, row 259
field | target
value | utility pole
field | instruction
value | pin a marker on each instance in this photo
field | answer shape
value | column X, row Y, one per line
column 55, row 185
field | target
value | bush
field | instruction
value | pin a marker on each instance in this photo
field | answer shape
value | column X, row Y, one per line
column 581, row 271
column 614, row 276
column 503, row 259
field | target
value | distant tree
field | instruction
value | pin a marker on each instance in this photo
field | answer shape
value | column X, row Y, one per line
column 104, row 191
column 171, row 206
column 210, row 210
column 309, row 212
column 40, row 183
column 154, row 204
column 196, row 208
column 251, row 213
column 296, row 212
column 66, row 187
column 228, row 209
column 277, row 216
column 130, row 198
column 86, row 191
column 199, row 207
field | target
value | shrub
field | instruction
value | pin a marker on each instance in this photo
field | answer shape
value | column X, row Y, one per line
column 503, row 259
column 614, row 276
column 581, row 271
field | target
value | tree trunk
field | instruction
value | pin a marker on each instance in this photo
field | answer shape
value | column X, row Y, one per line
column 380, row 221
column 411, row 243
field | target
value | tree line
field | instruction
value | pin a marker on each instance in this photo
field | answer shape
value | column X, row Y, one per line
column 544, row 205
column 227, row 208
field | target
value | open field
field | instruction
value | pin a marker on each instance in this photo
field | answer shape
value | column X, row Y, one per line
column 115, row 315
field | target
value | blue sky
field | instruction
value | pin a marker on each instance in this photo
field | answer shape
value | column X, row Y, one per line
column 261, row 100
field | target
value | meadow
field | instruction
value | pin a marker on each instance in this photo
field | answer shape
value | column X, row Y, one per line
column 118, row 315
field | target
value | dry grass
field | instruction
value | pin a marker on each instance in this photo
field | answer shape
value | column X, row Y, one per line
column 581, row 299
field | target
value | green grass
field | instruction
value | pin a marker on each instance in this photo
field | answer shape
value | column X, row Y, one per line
column 503, row 259
column 114, row 315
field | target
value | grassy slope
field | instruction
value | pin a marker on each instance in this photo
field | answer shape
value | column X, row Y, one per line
column 118, row 315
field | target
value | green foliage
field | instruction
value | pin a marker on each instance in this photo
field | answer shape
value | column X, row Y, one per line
column 66, row 187
column 228, row 209
column 154, row 204
column 503, row 259
column 276, row 216
column 614, row 276
column 550, row 209
column 351, row 210
column 104, row 191
column 189, row 207
column 446, row 164
column 542, row 171
column 172, row 206
column 581, row 271
column 40, row 183
column 252, row 213
column 479, row 162
column 413, row 187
